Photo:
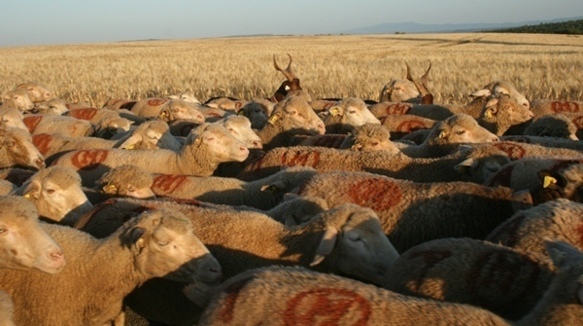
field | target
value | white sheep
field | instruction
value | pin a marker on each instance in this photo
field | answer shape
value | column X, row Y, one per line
column 154, row 244
column 204, row 149
column 346, row 115
column 517, row 150
column 229, row 104
column 466, row 164
column 542, row 107
column 36, row 92
column 106, row 122
column 187, row 96
column 25, row 245
column 264, row 194
column 56, row 124
column 412, row 213
column 12, row 118
column 167, row 109
column 401, row 90
column 293, row 296
column 54, row 106
column 17, row 99
column 240, row 128
column 506, row 281
column 403, row 124
column 57, row 194
column 17, row 149
column 346, row 239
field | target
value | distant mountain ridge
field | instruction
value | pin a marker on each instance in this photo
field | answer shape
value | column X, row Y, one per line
column 411, row 27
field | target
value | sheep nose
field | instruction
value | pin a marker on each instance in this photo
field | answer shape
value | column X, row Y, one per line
column 495, row 139
column 57, row 256
column 321, row 128
column 40, row 163
column 257, row 144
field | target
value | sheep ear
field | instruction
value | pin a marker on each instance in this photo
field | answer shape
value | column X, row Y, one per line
column 134, row 237
column 289, row 221
column 326, row 245
column 274, row 117
column 500, row 90
column 274, row 187
column 165, row 114
column 131, row 142
column 238, row 105
column 466, row 165
column 33, row 190
column 442, row 134
column 481, row 93
column 490, row 112
column 336, row 110
column 110, row 189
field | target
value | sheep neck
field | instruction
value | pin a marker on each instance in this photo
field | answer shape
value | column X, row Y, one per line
column 194, row 160
column 273, row 135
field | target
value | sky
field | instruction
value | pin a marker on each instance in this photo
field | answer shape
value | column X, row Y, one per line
column 40, row 22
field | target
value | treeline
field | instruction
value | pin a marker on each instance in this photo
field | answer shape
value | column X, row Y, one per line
column 568, row 27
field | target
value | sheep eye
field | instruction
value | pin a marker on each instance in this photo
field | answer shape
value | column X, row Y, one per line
column 3, row 230
column 163, row 243
column 352, row 112
column 9, row 143
column 375, row 143
column 50, row 191
column 460, row 132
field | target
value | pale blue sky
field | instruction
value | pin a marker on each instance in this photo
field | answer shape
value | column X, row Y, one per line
column 30, row 22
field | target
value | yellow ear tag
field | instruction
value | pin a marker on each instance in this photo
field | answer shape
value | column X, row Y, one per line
column 273, row 119
column 110, row 189
column 335, row 111
column 163, row 114
column 548, row 180
column 442, row 134
column 26, row 196
column 488, row 114
column 131, row 146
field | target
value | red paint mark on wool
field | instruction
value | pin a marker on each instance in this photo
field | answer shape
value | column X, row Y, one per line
column 378, row 194
column 289, row 158
column 83, row 114
column 232, row 291
column 167, row 183
column 32, row 122
column 564, row 106
column 327, row 306
column 514, row 152
column 156, row 102
column 42, row 142
column 398, row 108
column 89, row 159
column 410, row 125
column 430, row 258
column 578, row 122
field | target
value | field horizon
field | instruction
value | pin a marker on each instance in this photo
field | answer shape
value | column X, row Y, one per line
column 539, row 65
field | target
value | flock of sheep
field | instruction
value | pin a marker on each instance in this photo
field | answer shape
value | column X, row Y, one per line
column 291, row 210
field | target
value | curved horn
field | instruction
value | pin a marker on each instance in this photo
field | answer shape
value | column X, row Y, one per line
column 287, row 72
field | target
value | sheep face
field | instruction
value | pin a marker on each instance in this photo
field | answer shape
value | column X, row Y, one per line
column 186, row 96
column 166, row 246
column 398, row 91
column 351, row 112
column 505, row 111
column 17, row 147
column 369, row 138
column 459, row 128
column 499, row 88
column 296, row 116
column 57, row 194
column 18, row 99
column 180, row 110
column 23, row 242
column 55, row 106
column 12, row 118
column 151, row 135
column 363, row 250
column 257, row 113
column 36, row 92
column 222, row 147
column 480, row 166
column 240, row 128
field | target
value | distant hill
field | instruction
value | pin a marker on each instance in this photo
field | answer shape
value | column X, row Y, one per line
column 568, row 27
column 411, row 27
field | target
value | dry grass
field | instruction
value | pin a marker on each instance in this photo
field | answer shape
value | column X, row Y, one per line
column 541, row 66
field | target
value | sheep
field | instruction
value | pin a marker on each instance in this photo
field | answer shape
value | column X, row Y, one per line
column 346, row 239
column 552, row 142
column 558, row 219
column 12, row 118
column 412, row 213
column 504, row 88
column 57, row 194
column 36, row 92
column 204, row 149
column 240, row 128
column 257, row 111
column 264, row 194
column 523, row 174
column 370, row 137
column 56, row 124
column 553, row 125
column 542, row 107
column 149, row 135
column 506, row 281
column 293, row 296
column 399, row 90
column 347, row 114
column 154, row 244
column 466, row 164
column 186, row 96
column 25, row 245
column 167, row 110
column 403, row 124
column 119, row 104
column 501, row 113
column 296, row 210
column 106, row 122
column 517, row 150
column 6, row 187
column 17, row 99
column 17, row 149
column 54, row 106
column 293, row 115
column 229, row 104
column 446, row 135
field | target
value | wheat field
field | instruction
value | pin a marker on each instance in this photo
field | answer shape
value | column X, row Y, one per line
column 541, row 66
